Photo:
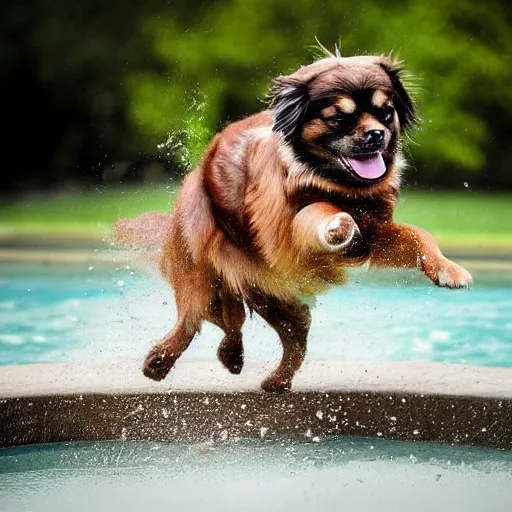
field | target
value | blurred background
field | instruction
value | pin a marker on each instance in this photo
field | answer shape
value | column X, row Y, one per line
column 110, row 99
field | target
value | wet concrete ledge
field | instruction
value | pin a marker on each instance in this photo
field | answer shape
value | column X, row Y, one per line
column 200, row 401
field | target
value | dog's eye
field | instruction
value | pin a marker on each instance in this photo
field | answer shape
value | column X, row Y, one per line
column 388, row 115
column 336, row 118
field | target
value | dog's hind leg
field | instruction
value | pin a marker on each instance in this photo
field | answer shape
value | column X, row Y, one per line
column 291, row 321
column 193, row 295
column 227, row 312
column 162, row 357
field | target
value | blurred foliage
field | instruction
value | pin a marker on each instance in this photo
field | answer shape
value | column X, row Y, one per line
column 462, row 221
column 94, row 90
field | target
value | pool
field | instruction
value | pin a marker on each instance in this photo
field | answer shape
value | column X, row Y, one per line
column 230, row 447
column 342, row 473
column 107, row 313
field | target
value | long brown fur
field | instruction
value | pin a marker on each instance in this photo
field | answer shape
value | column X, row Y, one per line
column 255, row 224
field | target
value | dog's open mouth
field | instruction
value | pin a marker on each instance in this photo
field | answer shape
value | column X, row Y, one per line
column 369, row 168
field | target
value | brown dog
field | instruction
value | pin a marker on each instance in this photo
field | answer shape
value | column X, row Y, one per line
column 282, row 203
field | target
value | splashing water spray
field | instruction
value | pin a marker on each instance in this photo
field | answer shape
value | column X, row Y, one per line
column 187, row 146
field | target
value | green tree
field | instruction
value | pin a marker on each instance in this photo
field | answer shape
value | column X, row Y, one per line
column 228, row 51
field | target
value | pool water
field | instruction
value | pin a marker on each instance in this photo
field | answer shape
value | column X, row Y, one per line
column 335, row 474
column 107, row 313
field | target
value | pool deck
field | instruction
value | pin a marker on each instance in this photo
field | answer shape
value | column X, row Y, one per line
column 201, row 402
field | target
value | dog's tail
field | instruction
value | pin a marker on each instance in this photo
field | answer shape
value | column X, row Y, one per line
column 147, row 231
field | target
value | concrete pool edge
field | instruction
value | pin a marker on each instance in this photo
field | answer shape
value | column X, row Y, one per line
column 488, row 261
column 201, row 402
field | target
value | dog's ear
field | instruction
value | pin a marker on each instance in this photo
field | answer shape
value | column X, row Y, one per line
column 289, row 100
column 404, row 104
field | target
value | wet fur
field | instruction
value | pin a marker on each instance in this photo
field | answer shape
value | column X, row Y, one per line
column 264, row 221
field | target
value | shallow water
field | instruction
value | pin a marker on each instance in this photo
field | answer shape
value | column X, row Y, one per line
column 96, row 314
column 338, row 474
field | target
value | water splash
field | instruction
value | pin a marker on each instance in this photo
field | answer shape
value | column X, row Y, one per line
column 187, row 146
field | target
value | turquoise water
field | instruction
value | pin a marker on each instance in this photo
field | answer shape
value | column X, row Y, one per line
column 336, row 474
column 81, row 313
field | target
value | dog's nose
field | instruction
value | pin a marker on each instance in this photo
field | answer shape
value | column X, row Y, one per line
column 374, row 137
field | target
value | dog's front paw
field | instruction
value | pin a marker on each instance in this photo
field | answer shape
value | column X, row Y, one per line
column 451, row 275
column 340, row 231
column 158, row 363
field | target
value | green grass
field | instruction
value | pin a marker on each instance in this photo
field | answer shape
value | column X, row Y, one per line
column 77, row 214
column 465, row 219
column 460, row 219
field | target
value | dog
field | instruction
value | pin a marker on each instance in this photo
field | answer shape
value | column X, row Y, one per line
column 282, row 204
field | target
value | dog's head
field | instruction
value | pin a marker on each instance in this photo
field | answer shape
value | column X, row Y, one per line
column 343, row 116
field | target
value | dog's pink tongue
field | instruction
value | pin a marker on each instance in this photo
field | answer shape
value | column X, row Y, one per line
column 370, row 169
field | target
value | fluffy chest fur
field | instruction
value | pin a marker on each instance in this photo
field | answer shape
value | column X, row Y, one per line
column 256, row 186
